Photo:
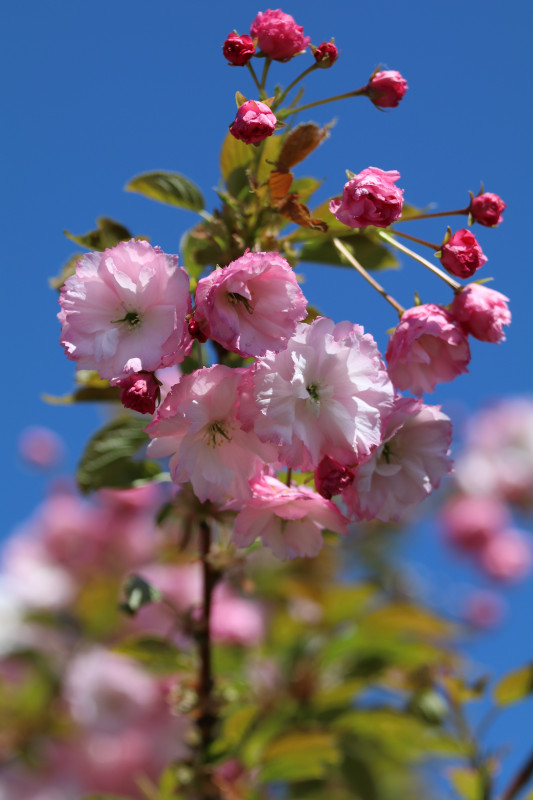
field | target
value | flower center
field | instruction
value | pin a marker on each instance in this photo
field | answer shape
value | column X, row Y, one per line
column 235, row 298
column 312, row 391
column 216, row 432
column 132, row 319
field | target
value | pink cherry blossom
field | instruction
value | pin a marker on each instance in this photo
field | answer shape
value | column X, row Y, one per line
column 253, row 123
column 407, row 467
column 327, row 394
column 124, row 311
column 252, row 305
column 481, row 312
column 470, row 521
column 462, row 255
column 426, row 348
column 278, row 35
column 289, row 520
column 386, row 88
column 369, row 198
column 507, row 557
column 197, row 425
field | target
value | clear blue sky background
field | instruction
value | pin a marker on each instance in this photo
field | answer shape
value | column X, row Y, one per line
column 95, row 93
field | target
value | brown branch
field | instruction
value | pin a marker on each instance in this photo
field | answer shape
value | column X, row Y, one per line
column 519, row 781
column 207, row 714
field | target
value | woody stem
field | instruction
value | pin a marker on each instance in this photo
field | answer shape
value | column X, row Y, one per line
column 366, row 275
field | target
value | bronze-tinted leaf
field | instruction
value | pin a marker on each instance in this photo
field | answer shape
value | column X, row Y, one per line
column 300, row 142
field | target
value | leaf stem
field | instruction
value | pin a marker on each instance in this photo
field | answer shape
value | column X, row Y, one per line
column 207, row 715
column 300, row 77
column 450, row 281
column 255, row 79
column 268, row 62
column 356, row 93
column 366, row 275
column 432, row 246
column 435, row 214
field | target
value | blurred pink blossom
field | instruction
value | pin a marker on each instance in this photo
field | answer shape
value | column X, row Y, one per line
column 41, row 447
column 289, row 520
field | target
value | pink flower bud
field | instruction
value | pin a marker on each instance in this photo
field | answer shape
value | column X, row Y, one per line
column 369, row 198
column 462, row 255
column 426, row 348
column 253, row 123
column 487, row 209
column 196, row 331
column 140, row 392
column 481, row 312
column 326, row 54
column 278, row 35
column 238, row 50
column 332, row 478
column 386, row 88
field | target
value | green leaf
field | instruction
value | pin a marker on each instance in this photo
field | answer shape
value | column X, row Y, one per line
column 68, row 269
column 366, row 247
column 466, row 782
column 235, row 158
column 107, row 460
column 197, row 254
column 514, row 686
column 138, row 593
column 300, row 756
column 157, row 654
column 168, row 187
column 305, row 187
column 88, row 394
column 108, row 234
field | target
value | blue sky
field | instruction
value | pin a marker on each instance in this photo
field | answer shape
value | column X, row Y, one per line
column 96, row 93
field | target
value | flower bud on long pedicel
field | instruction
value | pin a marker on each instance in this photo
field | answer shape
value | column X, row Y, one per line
column 325, row 54
column 386, row 88
column 487, row 209
column 462, row 255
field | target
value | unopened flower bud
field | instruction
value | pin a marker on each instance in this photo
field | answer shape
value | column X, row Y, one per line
column 238, row 50
column 196, row 331
column 386, row 88
column 462, row 255
column 332, row 478
column 487, row 209
column 140, row 392
column 325, row 54
column 253, row 123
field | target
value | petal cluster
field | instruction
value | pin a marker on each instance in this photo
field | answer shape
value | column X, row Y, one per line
column 369, row 198
column 278, row 35
column 251, row 306
column 124, row 311
column 253, row 123
column 289, row 520
column 327, row 394
column 426, row 348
